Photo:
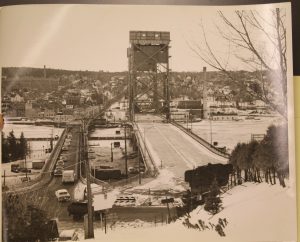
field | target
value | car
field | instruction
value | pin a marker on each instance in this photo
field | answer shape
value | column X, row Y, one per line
column 133, row 170
column 25, row 179
column 15, row 168
column 62, row 195
column 58, row 172
column 24, row 170
column 64, row 159
column 59, row 166
column 142, row 168
column 60, row 163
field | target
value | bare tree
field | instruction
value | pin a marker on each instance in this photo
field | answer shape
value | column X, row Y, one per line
column 258, row 42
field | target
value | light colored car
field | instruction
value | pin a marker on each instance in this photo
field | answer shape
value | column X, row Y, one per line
column 58, row 172
column 133, row 170
column 62, row 195
column 60, row 163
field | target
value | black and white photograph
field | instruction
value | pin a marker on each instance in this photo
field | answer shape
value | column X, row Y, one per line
column 147, row 123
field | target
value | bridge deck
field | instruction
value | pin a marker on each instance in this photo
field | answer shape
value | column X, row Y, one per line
column 174, row 149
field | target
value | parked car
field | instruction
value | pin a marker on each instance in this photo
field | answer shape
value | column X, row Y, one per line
column 15, row 168
column 23, row 169
column 25, row 179
column 133, row 170
column 62, row 195
column 142, row 168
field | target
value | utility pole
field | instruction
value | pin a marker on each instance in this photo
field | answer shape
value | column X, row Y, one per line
column 25, row 160
column 26, row 167
column 140, row 178
column 210, row 128
column 126, row 168
column 111, row 153
column 90, row 232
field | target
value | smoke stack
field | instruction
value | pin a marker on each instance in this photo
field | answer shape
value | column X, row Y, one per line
column 45, row 72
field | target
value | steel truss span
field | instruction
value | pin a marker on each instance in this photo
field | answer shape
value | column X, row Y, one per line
column 149, row 73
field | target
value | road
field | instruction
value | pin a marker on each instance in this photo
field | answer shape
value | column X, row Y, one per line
column 175, row 150
column 51, row 205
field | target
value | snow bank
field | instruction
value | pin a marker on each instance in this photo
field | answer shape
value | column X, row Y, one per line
column 254, row 212
column 165, row 180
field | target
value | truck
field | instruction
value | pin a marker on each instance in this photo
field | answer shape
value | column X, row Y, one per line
column 68, row 176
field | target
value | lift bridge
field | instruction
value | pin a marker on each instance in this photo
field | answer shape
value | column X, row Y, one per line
column 148, row 61
column 162, row 143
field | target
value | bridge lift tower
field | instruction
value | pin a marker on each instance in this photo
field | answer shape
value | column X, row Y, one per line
column 149, row 74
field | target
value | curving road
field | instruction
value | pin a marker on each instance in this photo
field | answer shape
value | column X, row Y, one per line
column 53, row 207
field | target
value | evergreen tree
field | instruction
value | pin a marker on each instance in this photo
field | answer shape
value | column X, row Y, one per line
column 213, row 202
column 22, row 147
column 12, row 146
column 23, row 221
column 5, row 156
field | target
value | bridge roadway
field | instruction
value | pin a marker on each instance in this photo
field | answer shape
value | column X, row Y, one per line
column 173, row 149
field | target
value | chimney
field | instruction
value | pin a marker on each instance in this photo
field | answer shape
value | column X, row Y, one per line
column 45, row 76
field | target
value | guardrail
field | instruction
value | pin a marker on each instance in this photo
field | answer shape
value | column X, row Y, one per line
column 201, row 141
column 150, row 164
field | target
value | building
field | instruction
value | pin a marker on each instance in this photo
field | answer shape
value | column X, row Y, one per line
column 63, row 118
column 32, row 110
column 16, row 98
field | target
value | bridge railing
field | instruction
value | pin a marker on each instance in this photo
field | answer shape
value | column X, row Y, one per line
column 146, row 154
column 201, row 141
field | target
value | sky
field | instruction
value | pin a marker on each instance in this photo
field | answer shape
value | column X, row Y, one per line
column 96, row 37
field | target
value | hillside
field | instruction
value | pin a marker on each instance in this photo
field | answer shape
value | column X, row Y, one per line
column 253, row 212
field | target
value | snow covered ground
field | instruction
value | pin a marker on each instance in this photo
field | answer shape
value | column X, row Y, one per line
column 254, row 212
column 36, row 148
column 32, row 131
column 229, row 133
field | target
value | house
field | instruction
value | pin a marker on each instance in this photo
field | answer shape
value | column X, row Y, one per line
column 16, row 98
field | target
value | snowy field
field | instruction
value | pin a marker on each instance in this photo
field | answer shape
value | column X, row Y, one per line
column 110, row 132
column 32, row 131
column 253, row 212
column 229, row 133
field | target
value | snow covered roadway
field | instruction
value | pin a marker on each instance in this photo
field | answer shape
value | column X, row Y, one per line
column 173, row 150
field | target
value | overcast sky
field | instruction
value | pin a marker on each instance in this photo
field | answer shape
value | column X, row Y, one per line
column 96, row 37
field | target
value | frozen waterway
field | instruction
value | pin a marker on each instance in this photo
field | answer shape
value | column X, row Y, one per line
column 229, row 133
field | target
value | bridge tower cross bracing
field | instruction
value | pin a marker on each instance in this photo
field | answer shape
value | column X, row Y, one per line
column 149, row 73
